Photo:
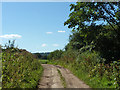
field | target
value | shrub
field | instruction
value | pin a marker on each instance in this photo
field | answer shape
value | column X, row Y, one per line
column 20, row 69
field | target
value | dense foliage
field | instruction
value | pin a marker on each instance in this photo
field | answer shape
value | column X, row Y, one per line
column 19, row 68
column 93, row 51
column 55, row 55
column 104, row 37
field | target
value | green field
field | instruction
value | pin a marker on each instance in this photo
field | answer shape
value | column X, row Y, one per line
column 42, row 61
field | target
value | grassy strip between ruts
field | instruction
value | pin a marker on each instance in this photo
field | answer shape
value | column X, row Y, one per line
column 62, row 78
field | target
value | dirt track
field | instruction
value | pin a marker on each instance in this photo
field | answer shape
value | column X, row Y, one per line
column 52, row 79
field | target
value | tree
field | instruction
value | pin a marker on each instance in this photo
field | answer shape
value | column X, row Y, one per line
column 88, row 34
column 10, row 44
column 55, row 54
column 85, row 14
column 38, row 55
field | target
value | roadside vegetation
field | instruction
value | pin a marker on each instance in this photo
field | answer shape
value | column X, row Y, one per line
column 0, row 70
column 20, row 68
column 93, row 51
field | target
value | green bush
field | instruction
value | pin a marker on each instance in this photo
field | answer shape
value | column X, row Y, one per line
column 20, row 69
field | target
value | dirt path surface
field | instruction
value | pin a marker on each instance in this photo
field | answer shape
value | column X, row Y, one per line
column 52, row 79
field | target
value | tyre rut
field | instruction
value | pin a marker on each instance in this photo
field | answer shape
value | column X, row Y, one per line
column 51, row 78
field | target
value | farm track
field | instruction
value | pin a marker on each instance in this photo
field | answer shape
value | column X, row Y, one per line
column 52, row 79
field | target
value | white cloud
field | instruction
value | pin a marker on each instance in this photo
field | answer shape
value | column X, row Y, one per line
column 61, row 31
column 49, row 32
column 9, row 36
column 55, row 45
column 44, row 45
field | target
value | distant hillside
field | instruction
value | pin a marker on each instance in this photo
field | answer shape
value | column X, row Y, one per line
column 41, row 55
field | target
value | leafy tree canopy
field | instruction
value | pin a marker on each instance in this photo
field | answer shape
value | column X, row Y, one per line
column 88, row 34
column 85, row 14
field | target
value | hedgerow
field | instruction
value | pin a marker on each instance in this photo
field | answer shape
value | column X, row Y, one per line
column 20, row 69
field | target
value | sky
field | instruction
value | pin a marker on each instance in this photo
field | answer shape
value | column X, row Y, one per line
column 36, row 26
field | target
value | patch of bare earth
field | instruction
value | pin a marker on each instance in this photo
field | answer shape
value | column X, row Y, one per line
column 51, row 78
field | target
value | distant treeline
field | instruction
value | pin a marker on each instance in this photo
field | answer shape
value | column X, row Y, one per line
column 41, row 55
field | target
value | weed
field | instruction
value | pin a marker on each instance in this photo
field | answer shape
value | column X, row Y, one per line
column 62, row 79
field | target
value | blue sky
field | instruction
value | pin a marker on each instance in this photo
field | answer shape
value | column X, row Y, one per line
column 36, row 27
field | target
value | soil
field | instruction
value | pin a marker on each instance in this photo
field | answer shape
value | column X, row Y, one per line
column 52, row 79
